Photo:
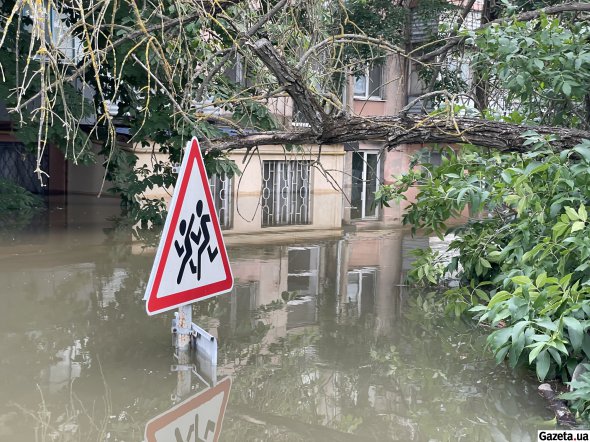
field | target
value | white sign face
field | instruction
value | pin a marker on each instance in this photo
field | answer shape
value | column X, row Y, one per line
column 191, row 263
column 198, row 418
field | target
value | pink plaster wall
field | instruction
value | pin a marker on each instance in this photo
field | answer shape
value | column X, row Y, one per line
column 368, row 108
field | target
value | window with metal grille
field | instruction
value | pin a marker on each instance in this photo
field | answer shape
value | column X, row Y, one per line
column 17, row 165
column 285, row 193
column 222, row 192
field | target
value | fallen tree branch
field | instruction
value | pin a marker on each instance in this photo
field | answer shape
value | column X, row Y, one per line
column 293, row 83
column 411, row 129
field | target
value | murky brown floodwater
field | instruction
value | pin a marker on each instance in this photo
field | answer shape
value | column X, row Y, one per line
column 317, row 337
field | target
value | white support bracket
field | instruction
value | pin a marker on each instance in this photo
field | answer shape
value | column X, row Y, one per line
column 188, row 338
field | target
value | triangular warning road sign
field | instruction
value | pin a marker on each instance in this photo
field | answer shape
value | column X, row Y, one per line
column 191, row 262
column 200, row 416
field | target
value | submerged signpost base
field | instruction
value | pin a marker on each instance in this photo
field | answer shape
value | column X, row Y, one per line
column 192, row 344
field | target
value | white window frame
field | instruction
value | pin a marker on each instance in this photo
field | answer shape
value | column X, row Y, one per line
column 358, row 296
column 313, row 269
column 62, row 39
column 376, row 95
column 365, row 182
column 297, row 118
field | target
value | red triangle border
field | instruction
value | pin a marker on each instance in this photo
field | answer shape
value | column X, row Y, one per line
column 157, row 305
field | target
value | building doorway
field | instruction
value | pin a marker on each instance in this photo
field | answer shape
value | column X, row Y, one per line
column 365, row 179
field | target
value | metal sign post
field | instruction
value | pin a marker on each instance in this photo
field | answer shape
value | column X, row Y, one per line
column 181, row 328
column 191, row 264
column 192, row 344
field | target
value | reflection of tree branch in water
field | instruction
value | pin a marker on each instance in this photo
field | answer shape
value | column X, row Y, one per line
column 307, row 430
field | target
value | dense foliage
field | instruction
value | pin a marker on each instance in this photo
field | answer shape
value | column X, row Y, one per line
column 522, row 247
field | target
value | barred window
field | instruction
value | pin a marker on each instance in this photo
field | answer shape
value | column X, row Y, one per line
column 222, row 191
column 285, row 193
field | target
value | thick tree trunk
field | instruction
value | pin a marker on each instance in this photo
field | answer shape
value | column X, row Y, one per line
column 410, row 129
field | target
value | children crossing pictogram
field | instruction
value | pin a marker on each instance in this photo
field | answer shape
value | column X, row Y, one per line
column 191, row 262
column 189, row 236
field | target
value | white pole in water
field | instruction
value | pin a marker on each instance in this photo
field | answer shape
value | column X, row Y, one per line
column 184, row 319
column 182, row 342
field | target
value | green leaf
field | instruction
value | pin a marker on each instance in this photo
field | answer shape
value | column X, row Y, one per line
column 572, row 214
column 582, row 213
column 575, row 332
column 521, row 280
column 485, row 263
column 559, row 229
column 499, row 338
column 535, row 351
column 555, row 355
column 494, row 256
column 586, row 345
column 543, row 363
column 506, row 177
column 533, row 252
column 518, row 308
column 461, row 194
column 516, row 350
column 546, row 324
column 564, row 282
column 499, row 297
column 482, row 295
column 501, row 354
column 518, row 329
column 583, row 150
column 541, row 280
column 578, row 225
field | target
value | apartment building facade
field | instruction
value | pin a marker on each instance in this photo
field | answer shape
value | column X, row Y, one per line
column 305, row 189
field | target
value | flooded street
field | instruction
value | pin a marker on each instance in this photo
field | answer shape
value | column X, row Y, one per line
column 318, row 336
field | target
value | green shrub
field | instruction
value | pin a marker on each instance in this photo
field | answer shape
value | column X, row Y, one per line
column 13, row 197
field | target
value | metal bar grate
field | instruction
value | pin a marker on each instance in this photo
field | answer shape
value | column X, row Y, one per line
column 285, row 193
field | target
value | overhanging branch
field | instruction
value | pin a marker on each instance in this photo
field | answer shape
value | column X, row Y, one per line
column 396, row 130
column 293, row 83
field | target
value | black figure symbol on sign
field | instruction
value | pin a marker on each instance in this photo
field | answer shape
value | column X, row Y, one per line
column 209, row 428
column 186, row 248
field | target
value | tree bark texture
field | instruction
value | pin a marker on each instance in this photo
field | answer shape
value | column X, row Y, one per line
column 411, row 129
column 293, row 83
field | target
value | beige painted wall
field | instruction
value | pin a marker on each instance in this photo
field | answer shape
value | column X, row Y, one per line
column 325, row 198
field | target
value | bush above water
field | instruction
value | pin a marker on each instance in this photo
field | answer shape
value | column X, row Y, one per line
column 13, row 197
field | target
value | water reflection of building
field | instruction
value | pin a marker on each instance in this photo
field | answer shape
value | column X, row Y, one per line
column 353, row 282
column 357, row 276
